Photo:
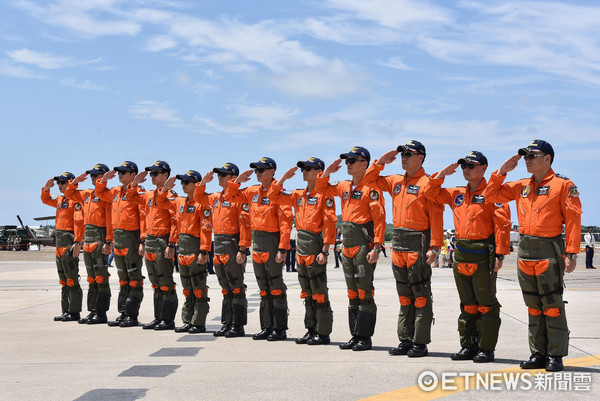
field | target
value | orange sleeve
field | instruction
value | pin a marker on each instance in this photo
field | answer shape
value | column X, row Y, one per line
column 102, row 192
column 497, row 192
column 142, row 212
column 285, row 216
column 436, row 220
column 436, row 193
column 329, row 221
column 206, row 229
column 323, row 187
column 377, row 208
column 571, row 210
column 374, row 180
column 244, row 222
column 200, row 195
column 47, row 199
column 234, row 194
column 72, row 193
column 280, row 197
column 134, row 196
column 163, row 201
column 108, row 222
column 78, row 225
column 502, row 225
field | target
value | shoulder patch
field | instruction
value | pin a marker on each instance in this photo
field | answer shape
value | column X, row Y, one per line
column 334, row 183
column 561, row 176
column 286, row 192
column 499, row 204
column 141, row 188
column 329, row 202
column 374, row 195
column 574, row 192
column 459, row 199
column 245, row 207
column 174, row 193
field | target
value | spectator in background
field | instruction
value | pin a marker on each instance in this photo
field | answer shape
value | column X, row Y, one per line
column 337, row 249
column 290, row 256
column 590, row 241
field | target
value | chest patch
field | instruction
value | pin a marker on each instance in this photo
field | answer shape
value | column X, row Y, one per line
column 116, row 198
column 226, row 204
column 216, row 204
column 78, row 206
column 357, row 194
column 499, row 204
column 543, row 190
column 329, row 202
column 191, row 209
column 124, row 197
column 478, row 199
column 150, row 202
column 64, row 204
column 459, row 199
column 255, row 199
column 526, row 191
column 181, row 209
column 87, row 198
column 245, row 207
column 346, row 195
column 206, row 212
column 265, row 201
column 312, row 200
column 299, row 203
column 374, row 195
column 397, row 189
column 95, row 199
column 413, row 189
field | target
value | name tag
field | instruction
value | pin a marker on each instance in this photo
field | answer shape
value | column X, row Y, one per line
column 479, row 199
column 346, row 195
column 413, row 189
column 265, row 201
column 64, row 204
column 356, row 194
column 543, row 190
column 255, row 199
column 95, row 199
column 312, row 200
column 226, row 204
column 191, row 209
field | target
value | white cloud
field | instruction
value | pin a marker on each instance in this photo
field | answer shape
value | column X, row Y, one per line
column 394, row 62
column 151, row 110
column 46, row 61
column 16, row 71
column 159, row 43
column 87, row 84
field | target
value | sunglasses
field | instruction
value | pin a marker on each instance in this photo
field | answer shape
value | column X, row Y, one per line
column 408, row 155
column 261, row 170
column 222, row 175
column 308, row 168
column 467, row 166
column 94, row 175
column 123, row 172
column 184, row 182
column 156, row 173
column 352, row 161
column 531, row 156
column 58, row 182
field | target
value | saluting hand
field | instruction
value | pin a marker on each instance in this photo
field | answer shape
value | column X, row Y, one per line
column 79, row 178
column 169, row 184
column 448, row 170
column 208, row 177
column 387, row 157
column 141, row 177
column 332, row 168
column 49, row 184
column 108, row 175
column 287, row 175
column 244, row 177
column 509, row 165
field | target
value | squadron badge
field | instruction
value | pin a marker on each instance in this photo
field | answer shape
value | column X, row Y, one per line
column 526, row 191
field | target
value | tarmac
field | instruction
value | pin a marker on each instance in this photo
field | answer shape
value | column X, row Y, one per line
column 46, row 360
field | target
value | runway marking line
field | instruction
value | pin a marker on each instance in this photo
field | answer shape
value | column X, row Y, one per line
column 414, row 393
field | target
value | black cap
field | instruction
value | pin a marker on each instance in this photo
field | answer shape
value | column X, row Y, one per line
column 412, row 146
column 190, row 175
column 66, row 176
column 312, row 162
column 357, row 151
column 127, row 167
column 98, row 169
column 159, row 165
column 474, row 157
column 538, row 146
column 228, row 168
column 265, row 162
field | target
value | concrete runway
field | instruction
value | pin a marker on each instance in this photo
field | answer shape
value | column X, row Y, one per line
column 46, row 360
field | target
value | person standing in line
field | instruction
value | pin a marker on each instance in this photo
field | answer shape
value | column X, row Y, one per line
column 126, row 217
column 97, row 243
column 194, row 236
column 337, row 248
column 483, row 232
column 271, row 227
column 546, row 202
column 418, row 236
column 363, row 230
column 314, row 215
column 590, row 242
column 69, row 234
column 159, row 235
column 232, row 237
column 290, row 255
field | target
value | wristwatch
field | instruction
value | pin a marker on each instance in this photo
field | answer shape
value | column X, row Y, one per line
column 499, row 256
column 326, row 253
column 436, row 252
column 378, row 250
column 572, row 256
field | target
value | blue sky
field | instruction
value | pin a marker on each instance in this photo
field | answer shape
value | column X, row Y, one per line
column 201, row 83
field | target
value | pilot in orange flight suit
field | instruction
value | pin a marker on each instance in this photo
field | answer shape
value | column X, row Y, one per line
column 363, row 230
column 314, row 215
column 69, row 234
column 232, row 237
column 97, row 243
column 418, row 228
column 158, row 235
column 271, row 227
column 194, row 228
column 482, row 240
column 545, row 202
column 126, row 219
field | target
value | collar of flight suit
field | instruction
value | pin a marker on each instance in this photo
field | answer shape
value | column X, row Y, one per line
column 420, row 172
column 549, row 175
column 480, row 187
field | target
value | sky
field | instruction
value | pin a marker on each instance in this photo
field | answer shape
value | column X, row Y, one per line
column 198, row 84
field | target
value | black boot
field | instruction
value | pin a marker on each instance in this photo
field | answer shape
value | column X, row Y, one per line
column 84, row 320
column 99, row 318
column 183, row 329
column 484, row 357
column 59, row 318
column 307, row 336
column 554, row 364
column 350, row 343
column 71, row 317
column 318, row 339
column 262, row 335
column 363, row 344
column 536, row 361
column 129, row 321
column 197, row 329
column 221, row 332
column 465, row 354
column 118, row 320
column 235, row 331
column 164, row 325
column 402, row 348
column 151, row 325
column 277, row 335
column 417, row 351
